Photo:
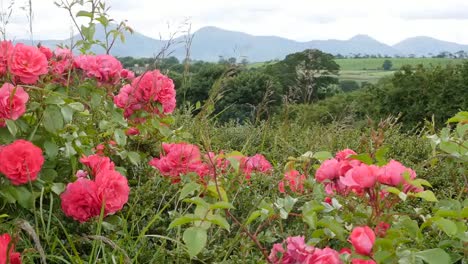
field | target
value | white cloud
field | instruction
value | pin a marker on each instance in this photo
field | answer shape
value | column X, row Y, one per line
column 387, row 21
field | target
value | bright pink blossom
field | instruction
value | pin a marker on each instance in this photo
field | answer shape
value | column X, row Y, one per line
column 80, row 200
column 381, row 229
column 21, row 161
column 362, row 176
column 328, row 170
column 344, row 154
column 104, row 68
column 97, row 163
column 392, row 173
column 6, row 49
column 7, row 250
column 294, row 180
column 297, row 251
column 12, row 102
column 46, row 51
column 362, row 239
column 112, row 189
column 179, row 158
column 27, row 63
column 132, row 131
column 256, row 163
column 127, row 74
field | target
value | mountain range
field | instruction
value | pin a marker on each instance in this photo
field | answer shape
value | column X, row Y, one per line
column 209, row 43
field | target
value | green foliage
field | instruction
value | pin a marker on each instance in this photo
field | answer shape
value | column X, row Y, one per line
column 387, row 65
column 248, row 95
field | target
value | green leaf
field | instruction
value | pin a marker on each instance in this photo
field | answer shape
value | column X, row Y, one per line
column 450, row 148
column 53, row 120
column 426, row 195
column 460, row 116
column 219, row 220
column 22, row 195
column 198, row 201
column 434, row 256
column 58, row 188
column 188, row 189
column 51, row 149
column 67, row 113
column 188, row 218
column 134, row 157
column 11, row 127
column 448, row 226
column 334, row 226
column 77, row 106
column 380, row 155
column 120, row 137
column 195, row 239
column 54, row 99
column 322, row 155
column 214, row 192
column 364, row 157
column 83, row 13
column 221, row 205
column 254, row 215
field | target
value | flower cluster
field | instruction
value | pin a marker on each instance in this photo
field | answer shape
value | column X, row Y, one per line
column 183, row 158
column 12, row 102
column 152, row 92
column 104, row 68
column 84, row 198
column 25, row 63
column 21, row 161
column 343, row 174
column 294, row 179
column 297, row 251
column 7, row 251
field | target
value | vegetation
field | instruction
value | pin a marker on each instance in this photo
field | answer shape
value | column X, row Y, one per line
column 279, row 164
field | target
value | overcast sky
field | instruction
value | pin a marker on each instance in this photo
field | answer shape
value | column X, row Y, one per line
column 388, row 21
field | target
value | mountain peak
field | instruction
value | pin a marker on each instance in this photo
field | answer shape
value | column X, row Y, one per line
column 362, row 37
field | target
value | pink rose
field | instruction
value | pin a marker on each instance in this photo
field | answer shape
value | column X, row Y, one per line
column 132, row 131
column 27, row 63
column 256, row 163
column 392, row 173
column 345, row 154
column 112, row 188
column 325, row 256
column 362, row 239
column 155, row 87
column 179, row 158
column 362, row 176
column 127, row 74
column 21, row 161
column 46, row 51
column 276, row 253
column 12, row 102
column 8, row 250
column 381, row 229
column 6, row 49
column 80, row 201
column 295, row 180
column 328, row 170
column 97, row 163
column 362, row 261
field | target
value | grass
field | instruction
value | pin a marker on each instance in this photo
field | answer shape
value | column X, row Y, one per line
column 370, row 69
column 376, row 63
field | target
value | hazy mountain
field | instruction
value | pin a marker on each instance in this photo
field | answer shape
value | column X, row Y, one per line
column 209, row 43
column 427, row 45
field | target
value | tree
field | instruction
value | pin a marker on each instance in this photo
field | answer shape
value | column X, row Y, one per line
column 387, row 65
column 306, row 74
column 251, row 94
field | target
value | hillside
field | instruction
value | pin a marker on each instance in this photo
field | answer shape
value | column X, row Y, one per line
column 209, row 43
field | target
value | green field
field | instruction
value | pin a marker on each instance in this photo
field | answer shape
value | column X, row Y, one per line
column 376, row 63
column 370, row 69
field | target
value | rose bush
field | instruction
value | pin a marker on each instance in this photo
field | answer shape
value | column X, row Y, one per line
column 94, row 168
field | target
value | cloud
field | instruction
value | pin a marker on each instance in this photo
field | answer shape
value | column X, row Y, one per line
column 303, row 20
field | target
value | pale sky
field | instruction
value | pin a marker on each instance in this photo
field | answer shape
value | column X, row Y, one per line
column 388, row 21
